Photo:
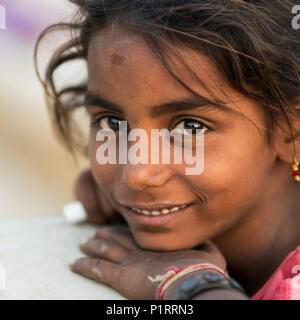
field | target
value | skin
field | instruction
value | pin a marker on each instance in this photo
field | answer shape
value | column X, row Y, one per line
column 245, row 201
column 117, row 260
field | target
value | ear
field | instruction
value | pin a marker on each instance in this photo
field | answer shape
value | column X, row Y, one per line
column 287, row 141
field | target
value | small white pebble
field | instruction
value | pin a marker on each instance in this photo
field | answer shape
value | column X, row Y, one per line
column 74, row 212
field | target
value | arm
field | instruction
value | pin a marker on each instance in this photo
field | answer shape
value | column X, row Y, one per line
column 116, row 259
column 211, row 294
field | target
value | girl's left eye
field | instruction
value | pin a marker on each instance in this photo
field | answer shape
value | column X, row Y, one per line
column 107, row 122
column 191, row 124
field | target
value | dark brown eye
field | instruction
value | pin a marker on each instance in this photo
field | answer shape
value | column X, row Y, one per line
column 109, row 122
column 190, row 124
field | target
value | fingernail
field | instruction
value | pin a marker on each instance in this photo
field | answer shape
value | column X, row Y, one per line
column 72, row 264
column 83, row 241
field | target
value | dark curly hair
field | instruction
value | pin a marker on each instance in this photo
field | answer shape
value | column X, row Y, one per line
column 252, row 43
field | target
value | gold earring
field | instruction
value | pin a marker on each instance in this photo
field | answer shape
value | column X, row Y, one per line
column 295, row 172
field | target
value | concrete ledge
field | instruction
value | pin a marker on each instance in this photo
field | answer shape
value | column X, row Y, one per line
column 36, row 253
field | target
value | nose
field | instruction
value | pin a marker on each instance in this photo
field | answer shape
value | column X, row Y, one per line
column 140, row 176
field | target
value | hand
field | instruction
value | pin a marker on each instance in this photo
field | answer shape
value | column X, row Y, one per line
column 98, row 209
column 116, row 260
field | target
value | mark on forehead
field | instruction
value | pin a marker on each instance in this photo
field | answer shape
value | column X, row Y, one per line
column 117, row 60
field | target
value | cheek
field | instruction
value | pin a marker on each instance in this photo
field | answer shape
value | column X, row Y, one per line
column 104, row 174
column 236, row 168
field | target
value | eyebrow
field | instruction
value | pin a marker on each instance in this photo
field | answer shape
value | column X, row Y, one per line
column 157, row 110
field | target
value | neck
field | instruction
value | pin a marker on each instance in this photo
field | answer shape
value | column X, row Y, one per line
column 256, row 246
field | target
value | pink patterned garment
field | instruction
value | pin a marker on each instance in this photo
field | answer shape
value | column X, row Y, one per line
column 284, row 283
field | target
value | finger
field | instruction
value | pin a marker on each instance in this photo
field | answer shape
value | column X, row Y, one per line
column 214, row 252
column 118, row 234
column 96, row 269
column 213, row 249
column 209, row 247
column 104, row 249
column 85, row 192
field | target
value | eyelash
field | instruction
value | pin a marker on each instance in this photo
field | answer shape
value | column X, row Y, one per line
column 189, row 117
column 96, row 120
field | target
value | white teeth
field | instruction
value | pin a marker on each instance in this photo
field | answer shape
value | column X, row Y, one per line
column 159, row 212
column 155, row 213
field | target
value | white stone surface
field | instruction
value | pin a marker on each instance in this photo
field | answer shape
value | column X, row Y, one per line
column 36, row 252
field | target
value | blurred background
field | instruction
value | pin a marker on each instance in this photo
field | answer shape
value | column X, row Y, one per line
column 36, row 172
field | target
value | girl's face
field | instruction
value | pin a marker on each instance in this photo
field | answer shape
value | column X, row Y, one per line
column 237, row 158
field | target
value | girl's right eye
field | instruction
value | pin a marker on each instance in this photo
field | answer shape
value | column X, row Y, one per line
column 108, row 122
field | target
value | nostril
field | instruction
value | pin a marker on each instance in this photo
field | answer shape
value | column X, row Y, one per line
column 140, row 176
column 136, row 177
column 159, row 178
column 136, row 188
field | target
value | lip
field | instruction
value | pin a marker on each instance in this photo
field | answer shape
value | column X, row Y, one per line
column 158, row 206
column 151, row 220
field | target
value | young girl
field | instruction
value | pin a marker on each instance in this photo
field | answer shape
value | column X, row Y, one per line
column 228, row 67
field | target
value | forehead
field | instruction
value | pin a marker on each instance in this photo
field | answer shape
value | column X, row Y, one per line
column 124, row 70
column 123, row 61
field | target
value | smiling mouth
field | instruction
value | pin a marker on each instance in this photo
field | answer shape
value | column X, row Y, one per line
column 158, row 211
